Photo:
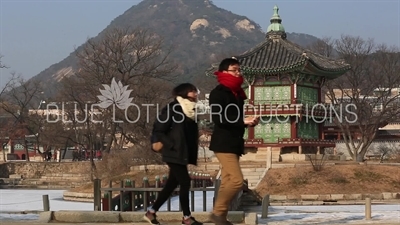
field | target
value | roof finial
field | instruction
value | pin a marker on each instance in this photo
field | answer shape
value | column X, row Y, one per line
column 275, row 30
column 276, row 20
column 276, row 15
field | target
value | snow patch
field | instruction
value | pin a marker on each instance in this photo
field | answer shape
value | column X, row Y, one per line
column 224, row 32
column 207, row 3
column 213, row 43
column 198, row 23
column 245, row 24
column 64, row 72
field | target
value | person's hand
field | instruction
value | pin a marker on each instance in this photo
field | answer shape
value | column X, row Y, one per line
column 251, row 121
column 248, row 120
column 256, row 121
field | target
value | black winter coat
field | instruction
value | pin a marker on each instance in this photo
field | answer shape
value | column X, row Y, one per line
column 228, row 118
column 179, row 135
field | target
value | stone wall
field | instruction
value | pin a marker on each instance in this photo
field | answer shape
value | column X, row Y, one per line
column 30, row 170
column 261, row 154
column 37, row 158
column 373, row 148
column 210, row 168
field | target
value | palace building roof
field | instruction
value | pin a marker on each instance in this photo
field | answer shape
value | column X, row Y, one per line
column 276, row 55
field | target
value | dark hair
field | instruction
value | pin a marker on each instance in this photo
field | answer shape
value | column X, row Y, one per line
column 224, row 65
column 182, row 90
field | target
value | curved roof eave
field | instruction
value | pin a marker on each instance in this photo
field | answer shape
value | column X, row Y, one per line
column 270, row 71
column 335, row 72
column 342, row 68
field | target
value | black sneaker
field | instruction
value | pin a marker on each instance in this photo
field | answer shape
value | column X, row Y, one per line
column 190, row 221
column 151, row 218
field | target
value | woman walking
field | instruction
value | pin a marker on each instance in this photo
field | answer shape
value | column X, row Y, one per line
column 176, row 128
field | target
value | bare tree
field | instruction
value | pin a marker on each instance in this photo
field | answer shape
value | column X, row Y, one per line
column 324, row 47
column 7, row 131
column 1, row 63
column 55, row 134
column 388, row 150
column 3, row 131
column 8, row 83
column 17, row 98
column 122, row 77
column 368, row 90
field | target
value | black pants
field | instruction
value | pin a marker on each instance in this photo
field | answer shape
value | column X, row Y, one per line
column 178, row 174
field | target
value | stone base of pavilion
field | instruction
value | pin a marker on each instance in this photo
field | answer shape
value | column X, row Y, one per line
column 280, row 154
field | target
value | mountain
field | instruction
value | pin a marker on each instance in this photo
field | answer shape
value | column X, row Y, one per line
column 200, row 32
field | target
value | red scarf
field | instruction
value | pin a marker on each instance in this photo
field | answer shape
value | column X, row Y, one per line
column 232, row 82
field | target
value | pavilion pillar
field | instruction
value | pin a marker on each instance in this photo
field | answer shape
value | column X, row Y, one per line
column 318, row 150
column 300, row 150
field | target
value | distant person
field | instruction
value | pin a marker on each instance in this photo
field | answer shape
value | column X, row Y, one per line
column 56, row 154
column 75, row 155
column 226, row 104
column 48, row 156
column 98, row 154
column 176, row 128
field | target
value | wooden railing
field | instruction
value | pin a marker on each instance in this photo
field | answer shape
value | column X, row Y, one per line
column 131, row 198
column 136, row 198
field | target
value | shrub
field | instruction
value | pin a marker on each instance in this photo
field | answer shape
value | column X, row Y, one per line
column 317, row 161
column 396, row 181
column 114, row 163
column 364, row 175
column 339, row 179
column 300, row 178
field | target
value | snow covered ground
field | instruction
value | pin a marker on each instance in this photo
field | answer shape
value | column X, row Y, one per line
column 13, row 201
column 340, row 214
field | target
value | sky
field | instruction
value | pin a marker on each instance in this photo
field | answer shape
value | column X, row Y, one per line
column 34, row 34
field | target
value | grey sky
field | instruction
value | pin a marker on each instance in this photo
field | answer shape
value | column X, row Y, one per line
column 36, row 34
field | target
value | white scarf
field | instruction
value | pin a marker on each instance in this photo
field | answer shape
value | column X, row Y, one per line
column 188, row 107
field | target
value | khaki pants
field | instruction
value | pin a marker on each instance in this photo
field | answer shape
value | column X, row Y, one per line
column 231, row 182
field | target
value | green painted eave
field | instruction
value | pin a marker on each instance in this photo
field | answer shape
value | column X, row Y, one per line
column 249, row 71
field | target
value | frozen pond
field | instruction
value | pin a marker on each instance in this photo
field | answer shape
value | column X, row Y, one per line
column 17, row 200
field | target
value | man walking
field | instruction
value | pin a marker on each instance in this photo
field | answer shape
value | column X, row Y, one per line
column 226, row 105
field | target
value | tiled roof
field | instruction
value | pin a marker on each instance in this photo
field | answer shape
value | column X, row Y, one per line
column 388, row 132
column 279, row 55
column 270, row 57
column 282, row 55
